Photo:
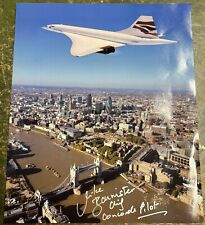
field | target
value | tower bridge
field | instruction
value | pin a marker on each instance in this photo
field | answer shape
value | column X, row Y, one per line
column 76, row 171
column 72, row 181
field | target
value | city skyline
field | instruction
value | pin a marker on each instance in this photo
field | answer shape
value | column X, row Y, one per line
column 43, row 58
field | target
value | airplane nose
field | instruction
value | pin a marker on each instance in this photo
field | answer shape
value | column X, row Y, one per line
column 50, row 26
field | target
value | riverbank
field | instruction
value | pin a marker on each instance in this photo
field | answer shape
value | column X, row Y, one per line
column 45, row 152
column 71, row 147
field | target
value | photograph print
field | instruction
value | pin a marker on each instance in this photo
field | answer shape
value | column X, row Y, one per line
column 103, row 120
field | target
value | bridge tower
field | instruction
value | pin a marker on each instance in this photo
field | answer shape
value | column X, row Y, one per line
column 74, row 176
column 74, row 179
column 98, row 167
column 98, row 170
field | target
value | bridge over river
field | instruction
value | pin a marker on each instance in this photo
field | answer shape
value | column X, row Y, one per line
column 71, row 184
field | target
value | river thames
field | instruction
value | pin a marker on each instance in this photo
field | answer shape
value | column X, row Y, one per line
column 114, row 201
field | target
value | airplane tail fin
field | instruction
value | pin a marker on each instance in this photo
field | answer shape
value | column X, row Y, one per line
column 144, row 26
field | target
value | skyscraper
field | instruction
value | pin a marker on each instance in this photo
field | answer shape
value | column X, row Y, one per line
column 98, row 107
column 70, row 103
column 89, row 100
column 108, row 105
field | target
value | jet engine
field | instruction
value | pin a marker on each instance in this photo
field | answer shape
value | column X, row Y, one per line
column 107, row 50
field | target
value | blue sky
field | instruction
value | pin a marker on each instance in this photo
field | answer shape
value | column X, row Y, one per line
column 43, row 58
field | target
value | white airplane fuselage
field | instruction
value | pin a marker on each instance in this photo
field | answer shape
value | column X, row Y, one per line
column 119, row 36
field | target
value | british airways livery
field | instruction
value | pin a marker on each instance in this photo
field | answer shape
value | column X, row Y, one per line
column 86, row 41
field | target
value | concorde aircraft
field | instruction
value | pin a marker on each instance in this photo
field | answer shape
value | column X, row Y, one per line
column 86, row 41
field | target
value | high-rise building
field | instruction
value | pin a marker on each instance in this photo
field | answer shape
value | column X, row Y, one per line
column 108, row 105
column 74, row 104
column 98, row 107
column 51, row 100
column 70, row 103
column 89, row 100
column 80, row 99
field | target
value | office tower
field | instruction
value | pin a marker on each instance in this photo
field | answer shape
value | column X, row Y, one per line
column 89, row 100
column 98, row 107
column 70, row 103
column 108, row 105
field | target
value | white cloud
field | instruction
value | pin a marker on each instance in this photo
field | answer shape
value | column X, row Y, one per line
column 184, row 60
column 192, row 86
column 163, row 105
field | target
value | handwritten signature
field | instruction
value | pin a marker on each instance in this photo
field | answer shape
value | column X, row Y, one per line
column 116, row 201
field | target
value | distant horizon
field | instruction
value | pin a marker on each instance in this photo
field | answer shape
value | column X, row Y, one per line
column 100, row 88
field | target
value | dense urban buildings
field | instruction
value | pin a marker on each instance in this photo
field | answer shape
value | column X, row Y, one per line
column 146, row 133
